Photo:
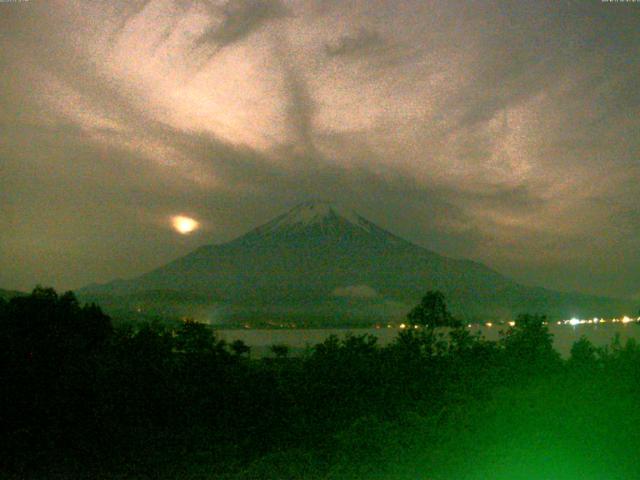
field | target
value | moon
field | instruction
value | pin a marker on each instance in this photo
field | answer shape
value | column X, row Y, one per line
column 184, row 225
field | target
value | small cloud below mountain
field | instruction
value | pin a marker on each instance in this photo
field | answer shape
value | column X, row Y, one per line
column 355, row 291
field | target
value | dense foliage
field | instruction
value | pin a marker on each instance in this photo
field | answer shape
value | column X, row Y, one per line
column 432, row 311
column 84, row 399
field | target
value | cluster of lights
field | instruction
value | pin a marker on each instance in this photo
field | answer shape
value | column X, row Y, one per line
column 404, row 325
column 491, row 324
column 596, row 321
column 572, row 322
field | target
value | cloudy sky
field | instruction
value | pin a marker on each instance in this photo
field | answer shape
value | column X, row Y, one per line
column 505, row 132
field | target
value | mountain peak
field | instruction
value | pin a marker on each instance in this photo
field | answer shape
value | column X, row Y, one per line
column 318, row 211
column 315, row 213
column 320, row 222
column 319, row 219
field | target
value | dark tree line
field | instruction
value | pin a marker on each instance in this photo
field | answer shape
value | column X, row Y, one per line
column 83, row 398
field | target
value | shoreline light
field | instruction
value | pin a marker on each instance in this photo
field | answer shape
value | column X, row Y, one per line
column 597, row 321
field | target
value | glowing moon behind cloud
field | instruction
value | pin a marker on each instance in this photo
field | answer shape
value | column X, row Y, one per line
column 184, row 225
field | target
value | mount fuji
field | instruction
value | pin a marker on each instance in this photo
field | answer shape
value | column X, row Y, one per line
column 320, row 264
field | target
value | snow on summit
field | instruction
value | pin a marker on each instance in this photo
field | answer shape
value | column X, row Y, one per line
column 315, row 212
column 314, row 221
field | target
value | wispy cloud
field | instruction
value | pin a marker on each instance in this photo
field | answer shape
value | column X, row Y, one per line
column 235, row 20
column 501, row 132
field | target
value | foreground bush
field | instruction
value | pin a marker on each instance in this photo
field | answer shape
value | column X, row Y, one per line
column 83, row 400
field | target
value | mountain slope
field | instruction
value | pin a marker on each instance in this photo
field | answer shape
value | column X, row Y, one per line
column 321, row 261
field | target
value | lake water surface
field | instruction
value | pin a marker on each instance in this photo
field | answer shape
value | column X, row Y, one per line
column 299, row 339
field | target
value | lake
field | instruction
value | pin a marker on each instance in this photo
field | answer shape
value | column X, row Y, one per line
column 299, row 339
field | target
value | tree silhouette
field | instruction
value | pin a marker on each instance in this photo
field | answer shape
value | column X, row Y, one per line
column 432, row 311
column 240, row 348
column 529, row 344
column 281, row 351
column 583, row 354
column 195, row 337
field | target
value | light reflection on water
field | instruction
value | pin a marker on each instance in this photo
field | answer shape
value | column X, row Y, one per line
column 298, row 339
